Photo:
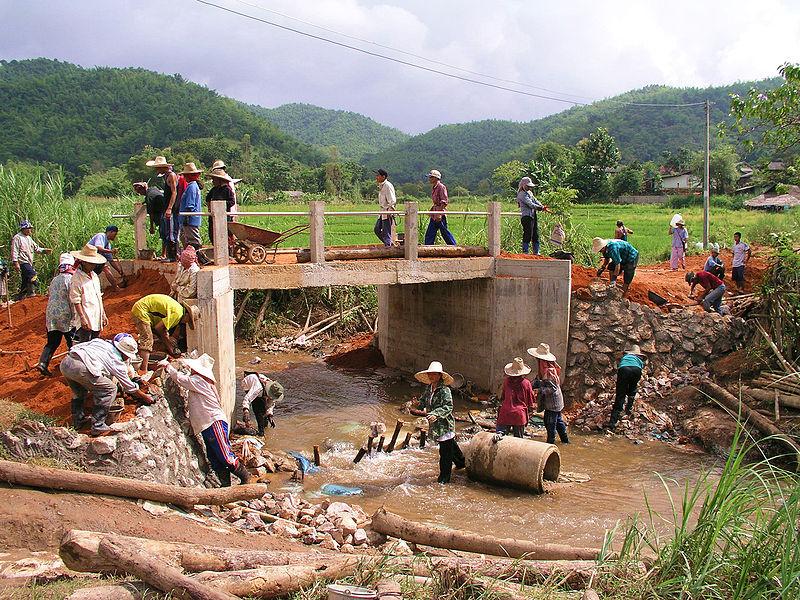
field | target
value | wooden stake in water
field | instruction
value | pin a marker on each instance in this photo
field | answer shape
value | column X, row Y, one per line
column 423, row 437
column 317, row 461
column 380, row 444
column 398, row 426
column 369, row 445
column 360, row 455
column 406, row 442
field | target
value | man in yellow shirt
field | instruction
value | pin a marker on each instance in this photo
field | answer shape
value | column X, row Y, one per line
column 160, row 315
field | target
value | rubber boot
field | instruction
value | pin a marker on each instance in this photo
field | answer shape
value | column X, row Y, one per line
column 242, row 473
column 615, row 415
column 525, row 248
column 78, row 419
column 629, row 405
column 564, row 437
column 224, row 477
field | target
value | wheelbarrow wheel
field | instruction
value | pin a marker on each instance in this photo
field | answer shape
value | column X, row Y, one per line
column 240, row 253
column 257, row 254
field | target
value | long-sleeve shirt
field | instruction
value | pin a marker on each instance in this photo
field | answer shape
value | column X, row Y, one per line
column 185, row 282
column 528, row 204
column 707, row 280
column 60, row 314
column 440, row 200
column 191, row 202
column 550, row 396
column 679, row 237
column 517, row 400
column 158, row 308
column 203, row 404
column 84, row 289
column 386, row 198
column 620, row 252
column 102, row 359
column 23, row 247
column 255, row 386
column 711, row 263
column 439, row 402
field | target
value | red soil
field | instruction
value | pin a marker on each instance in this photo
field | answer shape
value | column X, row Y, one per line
column 356, row 353
column 662, row 280
column 50, row 395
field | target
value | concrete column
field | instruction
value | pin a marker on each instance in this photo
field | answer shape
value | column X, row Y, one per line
column 218, row 208
column 316, row 220
column 494, row 222
column 411, row 235
column 140, row 227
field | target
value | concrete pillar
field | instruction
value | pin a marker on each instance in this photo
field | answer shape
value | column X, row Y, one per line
column 214, row 333
column 316, row 220
column 411, row 235
column 218, row 208
column 140, row 227
column 493, row 223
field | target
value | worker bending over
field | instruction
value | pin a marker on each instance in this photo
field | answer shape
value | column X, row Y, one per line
column 160, row 315
column 261, row 396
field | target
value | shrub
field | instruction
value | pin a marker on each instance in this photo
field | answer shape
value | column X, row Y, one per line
column 112, row 183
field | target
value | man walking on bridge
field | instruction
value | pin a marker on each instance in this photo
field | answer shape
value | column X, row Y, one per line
column 438, row 222
column 387, row 201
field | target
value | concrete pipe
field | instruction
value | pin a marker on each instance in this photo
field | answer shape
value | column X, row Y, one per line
column 512, row 462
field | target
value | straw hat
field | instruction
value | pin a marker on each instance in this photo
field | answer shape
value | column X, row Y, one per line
column 203, row 365
column 158, row 161
column 219, row 174
column 190, row 168
column 435, row 367
column 193, row 314
column 125, row 343
column 434, row 173
column 542, row 352
column 218, row 164
column 634, row 349
column 517, row 368
column 598, row 244
column 275, row 391
column 89, row 254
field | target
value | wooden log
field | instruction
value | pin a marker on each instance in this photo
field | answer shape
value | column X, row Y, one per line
column 380, row 444
column 760, row 422
column 388, row 590
column 90, row 483
column 784, row 363
column 370, row 441
column 158, row 575
column 240, row 310
column 768, row 395
column 452, row 539
column 406, row 442
column 397, row 427
column 778, row 381
column 423, row 437
column 128, row 590
column 361, row 452
column 317, row 460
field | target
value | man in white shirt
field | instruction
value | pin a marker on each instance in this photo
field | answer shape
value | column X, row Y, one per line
column 261, row 395
column 741, row 254
column 86, row 295
column 387, row 201
column 23, row 247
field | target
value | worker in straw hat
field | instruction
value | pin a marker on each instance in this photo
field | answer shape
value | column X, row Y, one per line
column 61, row 319
column 714, row 264
column 221, row 191
column 86, row 295
column 618, row 257
column 206, row 416
column 261, row 395
column 23, row 248
column 549, row 397
column 90, row 368
column 679, row 237
column 436, row 404
column 440, row 200
column 160, row 315
column 191, row 202
column 516, row 399
column 171, row 204
column 629, row 372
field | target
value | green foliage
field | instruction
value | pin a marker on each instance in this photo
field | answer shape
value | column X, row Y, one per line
column 722, row 168
column 111, row 183
column 506, row 177
column 629, row 181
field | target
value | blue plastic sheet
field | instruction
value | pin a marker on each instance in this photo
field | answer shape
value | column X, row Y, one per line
column 303, row 463
column 333, row 489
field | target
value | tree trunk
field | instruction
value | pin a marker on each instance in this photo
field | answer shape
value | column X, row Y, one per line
column 90, row 483
column 155, row 573
column 451, row 539
column 768, row 395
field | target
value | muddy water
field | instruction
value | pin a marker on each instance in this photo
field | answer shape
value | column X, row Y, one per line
column 333, row 408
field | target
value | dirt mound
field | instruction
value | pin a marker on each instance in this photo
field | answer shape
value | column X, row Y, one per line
column 51, row 395
column 356, row 353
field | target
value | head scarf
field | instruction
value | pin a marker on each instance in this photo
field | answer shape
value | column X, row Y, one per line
column 192, row 177
column 188, row 257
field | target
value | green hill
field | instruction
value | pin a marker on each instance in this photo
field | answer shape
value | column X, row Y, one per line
column 354, row 135
column 467, row 153
column 58, row 112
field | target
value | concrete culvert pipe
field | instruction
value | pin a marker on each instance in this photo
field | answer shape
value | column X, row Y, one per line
column 512, row 462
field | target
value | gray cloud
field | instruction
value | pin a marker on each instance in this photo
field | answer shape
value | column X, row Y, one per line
column 593, row 49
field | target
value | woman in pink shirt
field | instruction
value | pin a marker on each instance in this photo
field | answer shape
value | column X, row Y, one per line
column 516, row 400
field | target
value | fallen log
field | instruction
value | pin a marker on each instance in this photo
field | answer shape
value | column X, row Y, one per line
column 128, row 590
column 764, row 395
column 451, row 539
column 781, row 383
column 156, row 574
column 91, row 483
column 760, row 422
column 784, row 363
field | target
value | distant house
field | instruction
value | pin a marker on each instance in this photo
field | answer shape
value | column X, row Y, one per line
column 682, row 182
column 776, row 165
column 745, row 181
column 770, row 201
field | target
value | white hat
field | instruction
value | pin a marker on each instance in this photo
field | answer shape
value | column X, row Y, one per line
column 542, row 351
column 434, row 173
column 715, row 247
column 517, row 368
column 203, row 365
column 159, row 161
column 66, row 259
column 89, row 254
column 634, row 349
column 598, row 244
column 435, row 367
column 125, row 343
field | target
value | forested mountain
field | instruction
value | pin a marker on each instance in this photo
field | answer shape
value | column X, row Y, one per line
column 57, row 112
column 467, row 153
column 354, row 135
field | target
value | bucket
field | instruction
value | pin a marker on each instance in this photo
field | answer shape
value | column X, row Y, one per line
column 113, row 414
column 350, row 592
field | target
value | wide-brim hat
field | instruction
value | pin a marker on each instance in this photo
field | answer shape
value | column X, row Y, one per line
column 598, row 244
column 681, row 222
column 89, row 254
column 219, row 174
column 526, row 181
column 190, row 169
column 434, row 173
column 715, row 247
column 125, row 343
column 634, row 349
column 203, row 365
column 434, row 367
column 218, row 164
column 275, row 391
column 542, row 352
column 158, row 161
column 193, row 315
column 516, row 368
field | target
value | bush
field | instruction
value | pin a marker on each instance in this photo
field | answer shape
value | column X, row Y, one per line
column 112, row 183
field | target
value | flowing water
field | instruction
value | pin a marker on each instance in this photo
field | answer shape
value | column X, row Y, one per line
column 333, row 408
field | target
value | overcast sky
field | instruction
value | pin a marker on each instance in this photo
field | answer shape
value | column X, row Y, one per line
column 591, row 48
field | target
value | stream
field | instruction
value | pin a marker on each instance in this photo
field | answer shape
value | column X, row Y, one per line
column 333, row 407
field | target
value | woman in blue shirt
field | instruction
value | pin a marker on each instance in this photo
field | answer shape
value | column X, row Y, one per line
column 628, row 375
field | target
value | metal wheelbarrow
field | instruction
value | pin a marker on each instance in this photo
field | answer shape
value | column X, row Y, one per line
column 252, row 244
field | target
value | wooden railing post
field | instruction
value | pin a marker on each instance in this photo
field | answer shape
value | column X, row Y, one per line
column 411, row 235
column 140, row 227
column 316, row 221
column 220, row 220
column 493, row 223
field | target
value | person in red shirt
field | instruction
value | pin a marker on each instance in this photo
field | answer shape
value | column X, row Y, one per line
column 516, row 399
column 711, row 299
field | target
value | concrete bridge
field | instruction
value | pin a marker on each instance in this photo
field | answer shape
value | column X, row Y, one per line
column 474, row 312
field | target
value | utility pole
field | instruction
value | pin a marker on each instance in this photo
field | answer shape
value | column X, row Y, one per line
column 706, row 195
